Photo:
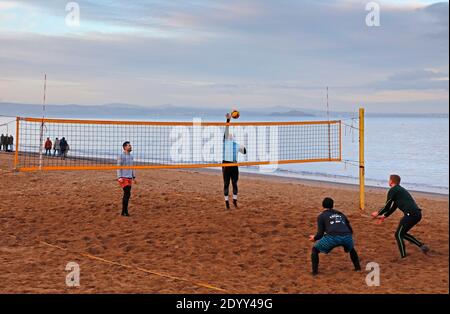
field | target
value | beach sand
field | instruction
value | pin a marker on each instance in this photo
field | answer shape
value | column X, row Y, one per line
column 180, row 238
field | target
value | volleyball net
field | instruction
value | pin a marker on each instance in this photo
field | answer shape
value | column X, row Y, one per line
column 62, row 144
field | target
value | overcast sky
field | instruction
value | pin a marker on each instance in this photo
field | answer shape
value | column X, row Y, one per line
column 249, row 53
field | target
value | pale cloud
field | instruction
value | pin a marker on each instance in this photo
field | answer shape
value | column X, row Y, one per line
column 257, row 53
column 415, row 80
column 396, row 96
column 6, row 5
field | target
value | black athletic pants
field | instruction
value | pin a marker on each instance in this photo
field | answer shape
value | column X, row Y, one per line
column 315, row 259
column 406, row 224
column 230, row 173
column 126, row 198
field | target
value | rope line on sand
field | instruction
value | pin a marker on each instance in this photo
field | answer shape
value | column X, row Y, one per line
column 200, row 284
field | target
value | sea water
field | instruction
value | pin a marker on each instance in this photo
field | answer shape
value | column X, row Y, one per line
column 416, row 148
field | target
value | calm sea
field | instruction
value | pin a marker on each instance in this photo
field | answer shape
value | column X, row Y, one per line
column 416, row 148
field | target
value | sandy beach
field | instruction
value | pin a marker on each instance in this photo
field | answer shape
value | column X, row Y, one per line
column 180, row 238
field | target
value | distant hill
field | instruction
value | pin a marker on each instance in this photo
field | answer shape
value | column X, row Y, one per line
column 127, row 111
column 107, row 111
column 440, row 9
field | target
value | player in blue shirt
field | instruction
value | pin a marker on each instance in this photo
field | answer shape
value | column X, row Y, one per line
column 230, row 152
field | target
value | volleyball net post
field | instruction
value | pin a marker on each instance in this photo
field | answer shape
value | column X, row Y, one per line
column 16, row 150
column 361, row 161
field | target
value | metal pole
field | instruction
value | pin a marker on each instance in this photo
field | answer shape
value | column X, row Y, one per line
column 41, row 135
column 16, row 153
column 329, row 127
column 361, row 160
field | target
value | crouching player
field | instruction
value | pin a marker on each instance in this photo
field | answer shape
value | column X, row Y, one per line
column 334, row 230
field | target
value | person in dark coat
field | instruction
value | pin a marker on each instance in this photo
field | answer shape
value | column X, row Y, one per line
column 64, row 147
column 3, row 142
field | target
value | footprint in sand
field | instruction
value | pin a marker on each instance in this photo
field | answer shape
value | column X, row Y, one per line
column 265, row 234
column 95, row 250
column 130, row 248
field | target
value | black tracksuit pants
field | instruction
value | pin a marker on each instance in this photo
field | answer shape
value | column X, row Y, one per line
column 405, row 225
column 230, row 173
column 126, row 199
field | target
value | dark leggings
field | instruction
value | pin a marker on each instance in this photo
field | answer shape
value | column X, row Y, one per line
column 407, row 222
column 230, row 173
column 126, row 198
column 315, row 259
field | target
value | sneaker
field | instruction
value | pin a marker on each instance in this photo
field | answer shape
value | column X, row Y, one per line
column 425, row 249
column 235, row 203
column 227, row 204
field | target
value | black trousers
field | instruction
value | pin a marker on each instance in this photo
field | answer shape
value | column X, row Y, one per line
column 405, row 225
column 126, row 198
column 315, row 259
column 230, row 173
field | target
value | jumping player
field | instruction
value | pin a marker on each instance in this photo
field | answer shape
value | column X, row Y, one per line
column 230, row 151
column 399, row 197
column 126, row 177
column 334, row 230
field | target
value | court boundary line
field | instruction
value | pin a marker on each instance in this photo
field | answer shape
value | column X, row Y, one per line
column 159, row 274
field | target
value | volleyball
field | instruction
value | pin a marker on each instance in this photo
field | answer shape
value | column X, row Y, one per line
column 235, row 114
